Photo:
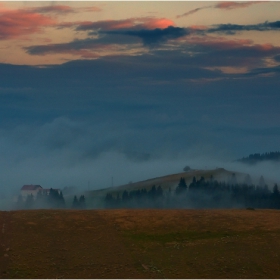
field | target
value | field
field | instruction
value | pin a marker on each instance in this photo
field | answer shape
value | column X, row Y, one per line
column 140, row 244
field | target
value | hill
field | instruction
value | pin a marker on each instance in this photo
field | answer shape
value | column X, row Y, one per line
column 140, row 244
column 167, row 181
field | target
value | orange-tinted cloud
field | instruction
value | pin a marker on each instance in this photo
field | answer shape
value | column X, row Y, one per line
column 131, row 23
column 18, row 22
column 15, row 23
column 161, row 23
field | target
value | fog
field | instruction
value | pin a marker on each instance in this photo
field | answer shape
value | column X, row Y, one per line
column 89, row 155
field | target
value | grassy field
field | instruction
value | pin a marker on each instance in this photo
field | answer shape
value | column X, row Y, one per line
column 140, row 244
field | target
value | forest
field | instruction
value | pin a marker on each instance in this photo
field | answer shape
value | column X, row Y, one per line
column 257, row 157
column 53, row 200
column 200, row 194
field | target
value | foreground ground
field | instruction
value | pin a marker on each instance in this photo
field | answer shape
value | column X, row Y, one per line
column 140, row 244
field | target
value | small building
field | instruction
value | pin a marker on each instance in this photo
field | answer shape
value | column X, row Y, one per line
column 30, row 189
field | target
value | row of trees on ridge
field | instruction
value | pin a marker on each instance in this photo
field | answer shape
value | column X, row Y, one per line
column 200, row 194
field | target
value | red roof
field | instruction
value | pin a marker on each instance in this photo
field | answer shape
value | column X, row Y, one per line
column 31, row 187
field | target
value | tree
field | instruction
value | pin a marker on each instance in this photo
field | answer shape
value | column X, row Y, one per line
column 153, row 192
column 159, row 191
column 125, row 196
column 233, row 180
column 61, row 200
column 187, row 168
column 261, row 182
column 75, row 203
column 193, row 184
column 182, row 186
column 82, row 202
column 275, row 190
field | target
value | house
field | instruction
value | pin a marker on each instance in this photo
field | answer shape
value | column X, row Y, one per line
column 30, row 189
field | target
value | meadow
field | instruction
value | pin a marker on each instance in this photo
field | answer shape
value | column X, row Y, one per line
column 140, row 244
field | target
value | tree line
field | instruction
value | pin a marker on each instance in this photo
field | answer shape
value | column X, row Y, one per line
column 257, row 157
column 53, row 200
column 200, row 194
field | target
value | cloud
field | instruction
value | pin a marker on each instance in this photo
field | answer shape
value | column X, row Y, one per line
column 229, row 5
column 15, row 23
column 154, row 36
column 56, row 9
column 126, row 24
column 90, row 9
column 192, row 12
column 19, row 22
column 62, row 9
column 236, row 5
column 112, row 38
column 205, row 52
column 231, row 29
column 85, row 48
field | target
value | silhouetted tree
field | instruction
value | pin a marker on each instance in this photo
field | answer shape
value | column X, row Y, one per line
column 125, row 196
column 159, row 191
column 82, row 202
column 75, row 203
column 29, row 203
column 187, row 168
column 182, row 187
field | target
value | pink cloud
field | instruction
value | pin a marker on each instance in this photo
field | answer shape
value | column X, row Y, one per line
column 15, row 23
column 161, row 23
column 19, row 22
column 131, row 23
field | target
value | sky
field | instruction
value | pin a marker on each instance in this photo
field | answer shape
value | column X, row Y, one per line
column 134, row 90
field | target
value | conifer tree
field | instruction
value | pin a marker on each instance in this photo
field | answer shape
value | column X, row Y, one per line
column 61, row 200
column 82, row 202
column 182, row 186
column 75, row 203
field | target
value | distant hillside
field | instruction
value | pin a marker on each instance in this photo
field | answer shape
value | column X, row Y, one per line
column 255, row 158
column 168, row 181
